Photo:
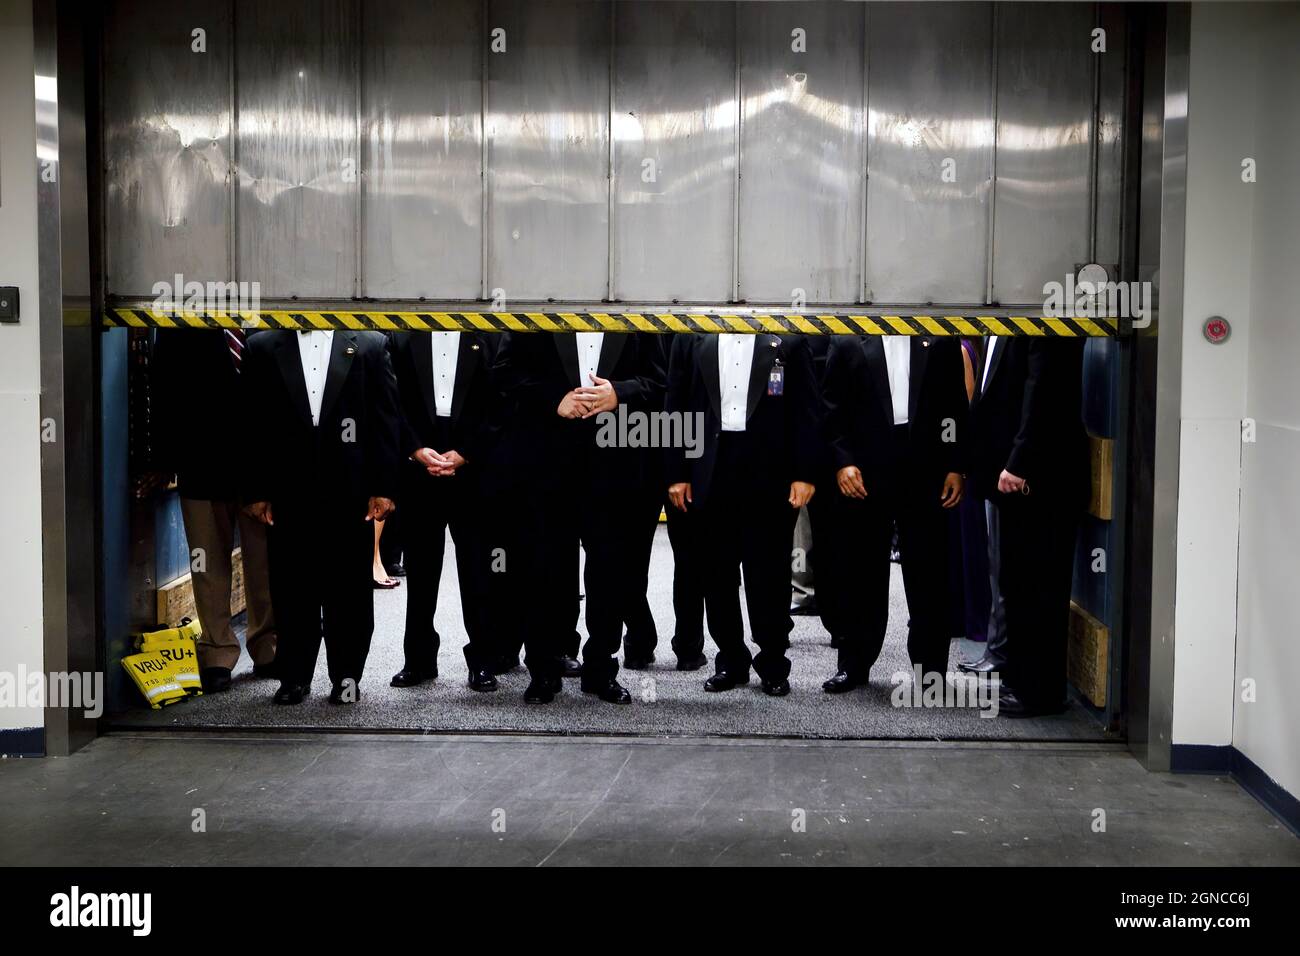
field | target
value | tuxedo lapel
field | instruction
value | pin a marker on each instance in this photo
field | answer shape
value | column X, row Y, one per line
column 873, row 352
column 290, row 361
column 467, row 360
column 566, row 343
column 708, row 356
column 344, row 347
column 611, row 347
column 984, row 380
column 421, row 347
column 916, row 374
column 767, row 348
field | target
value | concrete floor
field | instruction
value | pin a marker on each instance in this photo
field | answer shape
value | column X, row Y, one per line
column 362, row 799
column 665, row 701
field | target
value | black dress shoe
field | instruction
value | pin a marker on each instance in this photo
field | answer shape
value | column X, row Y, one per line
column 291, row 694
column 776, row 688
column 611, row 692
column 542, row 690
column 215, row 680
column 266, row 671
column 410, row 677
column 505, row 665
column 725, row 680
column 835, row 643
column 569, row 666
column 803, row 610
column 1009, row 705
column 345, row 691
column 482, row 680
column 397, row 570
column 985, row 665
column 692, row 663
column 638, row 662
column 841, row 682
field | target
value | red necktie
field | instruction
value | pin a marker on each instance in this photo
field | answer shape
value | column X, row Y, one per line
column 235, row 342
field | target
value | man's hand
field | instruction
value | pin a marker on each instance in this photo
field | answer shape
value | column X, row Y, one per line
column 849, row 478
column 571, row 406
column 800, row 493
column 1008, row 483
column 379, row 508
column 453, row 461
column 598, row 397
column 680, row 495
column 953, row 486
column 260, row 511
column 434, row 462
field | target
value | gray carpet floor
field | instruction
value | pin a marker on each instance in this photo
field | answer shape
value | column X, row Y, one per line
column 665, row 701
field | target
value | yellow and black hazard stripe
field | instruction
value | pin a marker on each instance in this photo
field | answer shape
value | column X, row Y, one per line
column 779, row 323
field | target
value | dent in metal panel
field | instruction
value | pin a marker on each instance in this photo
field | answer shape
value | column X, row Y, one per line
column 421, row 99
column 1044, row 110
column 166, row 144
column 299, row 172
column 802, row 150
column 674, row 124
column 548, row 151
column 930, row 151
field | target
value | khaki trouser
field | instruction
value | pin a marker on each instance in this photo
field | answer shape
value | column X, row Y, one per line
column 210, row 525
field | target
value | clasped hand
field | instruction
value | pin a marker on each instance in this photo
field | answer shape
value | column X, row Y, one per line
column 588, row 400
column 440, row 465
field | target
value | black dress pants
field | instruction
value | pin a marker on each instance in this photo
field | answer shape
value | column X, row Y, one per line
column 505, row 541
column 429, row 506
column 320, row 555
column 864, row 530
column 751, row 527
column 642, row 635
column 689, row 563
column 1035, row 578
column 605, row 524
column 522, row 583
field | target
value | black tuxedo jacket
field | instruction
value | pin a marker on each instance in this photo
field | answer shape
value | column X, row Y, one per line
column 536, row 371
column 352, row 456
column 199, row 416
column 784, row 428
column 1028, row 419
column 475, row 402
column 859, row 410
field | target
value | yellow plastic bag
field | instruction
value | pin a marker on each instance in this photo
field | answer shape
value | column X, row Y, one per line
column 188, row 631
column 177, row 647
column 155, row 676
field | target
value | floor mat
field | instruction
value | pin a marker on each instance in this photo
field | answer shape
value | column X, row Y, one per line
column 665, row 701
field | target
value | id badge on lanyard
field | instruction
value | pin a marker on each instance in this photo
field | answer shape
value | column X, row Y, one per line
column 776, row 379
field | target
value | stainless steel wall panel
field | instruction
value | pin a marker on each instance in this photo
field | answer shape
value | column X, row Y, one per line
column 548, row 150
column 363, row 163
column 930, row 151
column 298, row 148
column 421, row 100
column 1112, row 91
column 674, row 108
column 802, row 151
column 166, row 144
column 1044, row 110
